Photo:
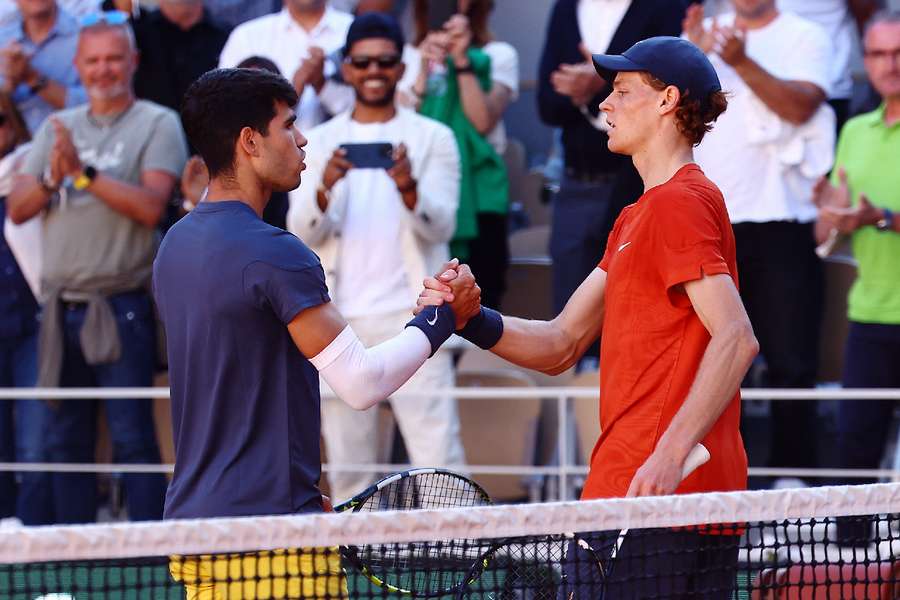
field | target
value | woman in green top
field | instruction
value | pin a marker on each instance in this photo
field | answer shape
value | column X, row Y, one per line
column 458, row 74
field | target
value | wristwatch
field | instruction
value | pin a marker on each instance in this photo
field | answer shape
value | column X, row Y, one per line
column 886, row 222
column 85, row 178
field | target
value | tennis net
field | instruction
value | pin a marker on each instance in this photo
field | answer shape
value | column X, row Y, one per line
column 830, row 542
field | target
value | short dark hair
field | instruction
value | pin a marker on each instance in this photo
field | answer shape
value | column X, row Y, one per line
column 222, row 102
column 259, row 62
column 694, row 118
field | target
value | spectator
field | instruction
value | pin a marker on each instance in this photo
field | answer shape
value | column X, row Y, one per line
column 76, row 8
column 178, row 43
column 839, row 19
column 22, row 422
column 36, row 60
column 765, row 153
column 384, row 230
column 101, row 174
column 865, row 172
column 596, row 183
column 463, row 77
column 297, row 40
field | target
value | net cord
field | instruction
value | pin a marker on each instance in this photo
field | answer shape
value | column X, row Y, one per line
column 246, row 534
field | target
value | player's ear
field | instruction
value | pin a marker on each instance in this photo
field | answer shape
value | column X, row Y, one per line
column 247, row 141
column 669, row 99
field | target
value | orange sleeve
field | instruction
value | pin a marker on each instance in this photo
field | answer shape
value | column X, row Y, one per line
column 689, row 239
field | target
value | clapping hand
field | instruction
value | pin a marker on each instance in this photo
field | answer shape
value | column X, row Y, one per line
column 64, row 155
column 580, row 81
column 311, row 71
column 456, row 285
column 14, row 66
column 693, row 28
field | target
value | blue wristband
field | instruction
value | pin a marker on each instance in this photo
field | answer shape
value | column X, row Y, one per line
column 437, row 323
column 484, row 329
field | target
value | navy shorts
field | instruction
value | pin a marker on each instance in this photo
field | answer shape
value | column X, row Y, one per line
column 651, row 563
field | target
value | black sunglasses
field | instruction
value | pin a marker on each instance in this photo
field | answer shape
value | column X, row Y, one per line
column 385, row 61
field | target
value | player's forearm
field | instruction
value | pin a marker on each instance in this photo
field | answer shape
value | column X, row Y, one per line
column 795, row 102
column 540, row 345
column 722, row 368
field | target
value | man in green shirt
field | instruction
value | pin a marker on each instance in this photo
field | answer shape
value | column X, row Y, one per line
column 863, row 200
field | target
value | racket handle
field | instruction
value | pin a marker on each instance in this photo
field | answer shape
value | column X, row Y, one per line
column 698, row 456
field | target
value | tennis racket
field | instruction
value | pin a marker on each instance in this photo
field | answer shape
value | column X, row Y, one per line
column 696, row 458
column 420, row 569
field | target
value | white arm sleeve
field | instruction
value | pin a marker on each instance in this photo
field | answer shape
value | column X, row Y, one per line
column 361, row 376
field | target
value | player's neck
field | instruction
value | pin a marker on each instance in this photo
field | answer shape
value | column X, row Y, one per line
column 660, row 160
column 229, row 187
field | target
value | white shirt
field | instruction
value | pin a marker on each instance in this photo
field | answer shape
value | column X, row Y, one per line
column 373, row 278
column 835, row 18
column 504, row 70
column 598, row 21
column 282, row 40
column 765, row 166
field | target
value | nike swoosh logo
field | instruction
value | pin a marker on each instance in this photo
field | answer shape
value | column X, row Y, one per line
column 434, row 320
column 623, row 246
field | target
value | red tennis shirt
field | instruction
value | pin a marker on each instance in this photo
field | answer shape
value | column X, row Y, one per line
column 653, row 340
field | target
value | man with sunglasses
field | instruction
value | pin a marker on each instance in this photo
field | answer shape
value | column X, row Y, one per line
column 99, row 176
column 36, row 51
column 379, row 230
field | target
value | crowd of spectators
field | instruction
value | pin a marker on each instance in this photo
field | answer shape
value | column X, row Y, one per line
column 95, row 168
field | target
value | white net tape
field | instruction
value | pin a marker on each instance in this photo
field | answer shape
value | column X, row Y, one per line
column 129, row 540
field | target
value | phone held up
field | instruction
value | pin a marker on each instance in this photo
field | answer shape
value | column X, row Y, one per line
column 376, row 155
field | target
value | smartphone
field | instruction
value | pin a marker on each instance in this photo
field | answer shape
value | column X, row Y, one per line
column 439, row 12
column 376, row 155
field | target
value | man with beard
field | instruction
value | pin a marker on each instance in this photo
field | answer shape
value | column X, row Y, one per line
column 100, row 175
column 379, row 233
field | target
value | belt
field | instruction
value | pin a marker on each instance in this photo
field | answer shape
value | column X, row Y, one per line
column 589, row 176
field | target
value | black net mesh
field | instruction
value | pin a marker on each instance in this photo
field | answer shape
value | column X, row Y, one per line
column 808, row 558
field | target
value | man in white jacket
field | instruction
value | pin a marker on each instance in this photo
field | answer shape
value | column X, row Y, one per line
column 379, row 231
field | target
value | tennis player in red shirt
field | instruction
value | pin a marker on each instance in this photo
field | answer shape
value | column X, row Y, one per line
column 676, row 338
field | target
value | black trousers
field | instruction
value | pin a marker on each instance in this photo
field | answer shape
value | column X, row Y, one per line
column 871, row 360
column 652, row 563
column 781, row 284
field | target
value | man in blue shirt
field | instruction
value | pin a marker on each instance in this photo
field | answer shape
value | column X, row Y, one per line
column 36, row 54
column 250, row 326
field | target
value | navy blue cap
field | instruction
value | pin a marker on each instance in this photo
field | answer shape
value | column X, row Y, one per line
column 374, row 25
column 674, row 61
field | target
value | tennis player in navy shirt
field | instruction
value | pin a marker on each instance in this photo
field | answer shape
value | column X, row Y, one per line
column 248, row 319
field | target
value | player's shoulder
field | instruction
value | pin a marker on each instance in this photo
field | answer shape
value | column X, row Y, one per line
column 281, row 249
column 690, row 190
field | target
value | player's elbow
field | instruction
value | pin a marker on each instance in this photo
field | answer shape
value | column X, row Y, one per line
column 360, row 400
column 744, row 342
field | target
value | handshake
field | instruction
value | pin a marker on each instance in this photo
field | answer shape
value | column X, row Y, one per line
column 456, row 286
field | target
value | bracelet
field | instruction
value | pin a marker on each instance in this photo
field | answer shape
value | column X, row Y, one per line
column 437, row 323
column 484, row 329
column 466, row 69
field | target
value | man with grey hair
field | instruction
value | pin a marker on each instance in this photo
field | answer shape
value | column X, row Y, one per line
column 100, row 176
column 861, row 201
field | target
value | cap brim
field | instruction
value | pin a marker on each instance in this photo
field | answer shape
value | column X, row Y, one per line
column 608, row 65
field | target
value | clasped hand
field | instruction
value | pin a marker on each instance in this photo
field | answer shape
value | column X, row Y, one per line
column 455, row 285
